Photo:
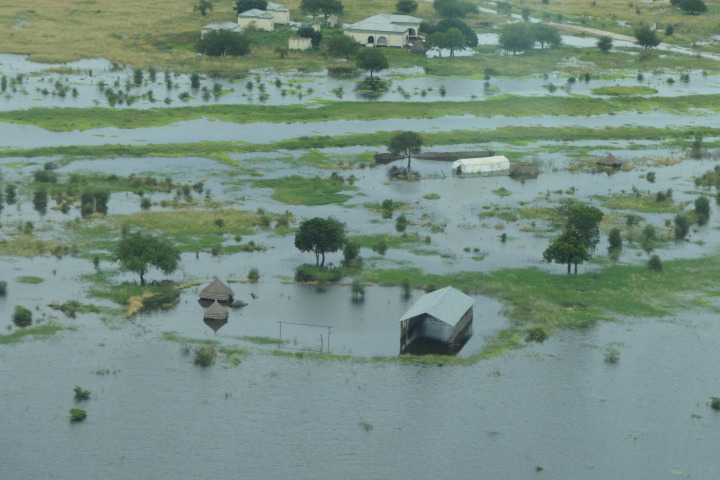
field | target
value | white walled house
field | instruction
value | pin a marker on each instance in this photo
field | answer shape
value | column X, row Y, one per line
column 299, row 43
column 384, row 30
column 485, row 166
column 281, row 15
column 260, row 19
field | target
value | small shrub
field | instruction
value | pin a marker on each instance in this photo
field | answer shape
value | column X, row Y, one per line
column 702, row 209
column 380, row 247
column 358, row 290
column 650, row 177
column 682, row 226
column 715, row 403
column 205, row 356
column 536, row 334
column 77, row 414
column 81, row 394
column 219, row 222
column 612, row 355
column 253, row 275
column 401, row 223
column 3, row 288
column 655, row 264
column 615, row 239
column 145, row 203
column 22, row 317
column 406, row 288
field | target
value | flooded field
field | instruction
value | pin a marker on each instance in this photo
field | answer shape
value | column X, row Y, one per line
column 622, row 399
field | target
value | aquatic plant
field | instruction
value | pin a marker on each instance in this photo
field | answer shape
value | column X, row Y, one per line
column 536, row 334
column 612, row 354
column 22, row 317
column 715, row 403
column 205, row 355
column 77, row 415
column 81, row 394
column 253, row 275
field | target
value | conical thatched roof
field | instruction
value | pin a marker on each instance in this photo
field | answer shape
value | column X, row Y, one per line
column 215, row 324
column 611, row 161
column 217, row 290
column 216, row 312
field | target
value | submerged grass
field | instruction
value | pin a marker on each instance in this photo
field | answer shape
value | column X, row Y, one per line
column 297, row 190
column 67, row 119
column 38, row 332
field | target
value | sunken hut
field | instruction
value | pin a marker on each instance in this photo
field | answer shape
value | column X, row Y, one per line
column 440, row 322
column 216, row 291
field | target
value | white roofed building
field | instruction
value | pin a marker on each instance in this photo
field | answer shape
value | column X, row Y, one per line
column 485, row 166
column 384, row 30
column 260, row 19
column 281, row 15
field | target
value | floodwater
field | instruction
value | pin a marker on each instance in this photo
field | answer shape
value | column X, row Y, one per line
column 557, row 406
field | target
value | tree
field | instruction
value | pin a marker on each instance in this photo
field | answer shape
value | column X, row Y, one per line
column 581, row 219
column 702, row 210
column 448, row 23
column 566, row 248
column 615, row 239
column 139, row 251
column 309, row 32
column 691, row 6
column 326, row 7
column 682, row 226
column 451, row 40
column 405, row 144
column 372, row 59
column 515, row 37
column 406, row 6
column 342, row 46
column 546, row 34
column 646, row 37
column 453, row 8
column 203, row 6
column 604, row 43
column 245, row 5
column 320, row 236
column 222, row 42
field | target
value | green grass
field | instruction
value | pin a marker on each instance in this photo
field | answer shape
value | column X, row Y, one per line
column 642, row 203
column 392, row 241
column 68, row 119
column 36, row 333
column 29, row 279
column 296, row 190
column 618, row 90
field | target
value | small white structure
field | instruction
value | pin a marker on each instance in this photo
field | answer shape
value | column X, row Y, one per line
column 216, row 27
column 260, row 19
column 384, row 30
column 281, row 15
column 299, row 43
column 486, row 166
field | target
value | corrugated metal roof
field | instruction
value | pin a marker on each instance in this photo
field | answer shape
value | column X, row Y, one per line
column 255, row 13
column 498, row 159
column 276, row 7
column 229, row 26
column 447, row 305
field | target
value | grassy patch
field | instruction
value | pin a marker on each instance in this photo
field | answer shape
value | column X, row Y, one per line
column 618, row 90
column 296, row 190
column 29, row 279
column 38, row 332
column 72, row 307
column 136, row 298
column 392, row 241
column 638, row 203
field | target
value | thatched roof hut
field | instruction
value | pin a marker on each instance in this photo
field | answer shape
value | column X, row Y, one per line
column 216, row 312
column 610, row 161
column 215, row 324
column 217, row 290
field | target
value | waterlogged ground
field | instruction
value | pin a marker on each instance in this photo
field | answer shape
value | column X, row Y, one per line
column 559, row 407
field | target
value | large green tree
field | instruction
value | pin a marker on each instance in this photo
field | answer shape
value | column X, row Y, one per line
column 567, row 248
column 448, row 23
column 203, row 6
column 516, row 37
column 138, row 251
column 690, row 6
column 245, row 5
column 546, row 35
column 342, row 46
column 453, row 8
column 581, row 219
column 406, row 7
column 451, row 40
column 646, row 37
column 222, row 42
column 326, row 7
column 405, row 144
column 372, row 59
column 604, row 43
column 320, row 236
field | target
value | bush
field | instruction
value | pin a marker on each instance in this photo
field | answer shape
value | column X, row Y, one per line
column 536, row 334
column 351, row 255
column 380, row 247
column 655, row 264
column 253, row 275
column 205, row 356
column 81, row 394
column 401, row 223
column 358, row 290
column 22, row 317
column 3, row 289
column 612, row 355
column 650, row 177
column 715, row 403
column 222, row 42
column 615, row 239
column 406, row 288
column 702, row 209
column 682, row 226
column 313, row 273
column 77, row 415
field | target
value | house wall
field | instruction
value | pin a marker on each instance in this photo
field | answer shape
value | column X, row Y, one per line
column 282, row 18
column 299, row 43
column 393, row 39
column 265, row 24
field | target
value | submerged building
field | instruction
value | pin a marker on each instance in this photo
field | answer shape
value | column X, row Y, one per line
column 486, row 166
column 440, row 322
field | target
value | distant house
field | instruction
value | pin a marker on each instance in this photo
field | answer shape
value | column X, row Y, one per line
column 485, row 166
column 260, row 19
column 440, row 322
column 385, row 30
column 216, row 27
column 610, row 161
column 299, row 43
column 281, row 15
